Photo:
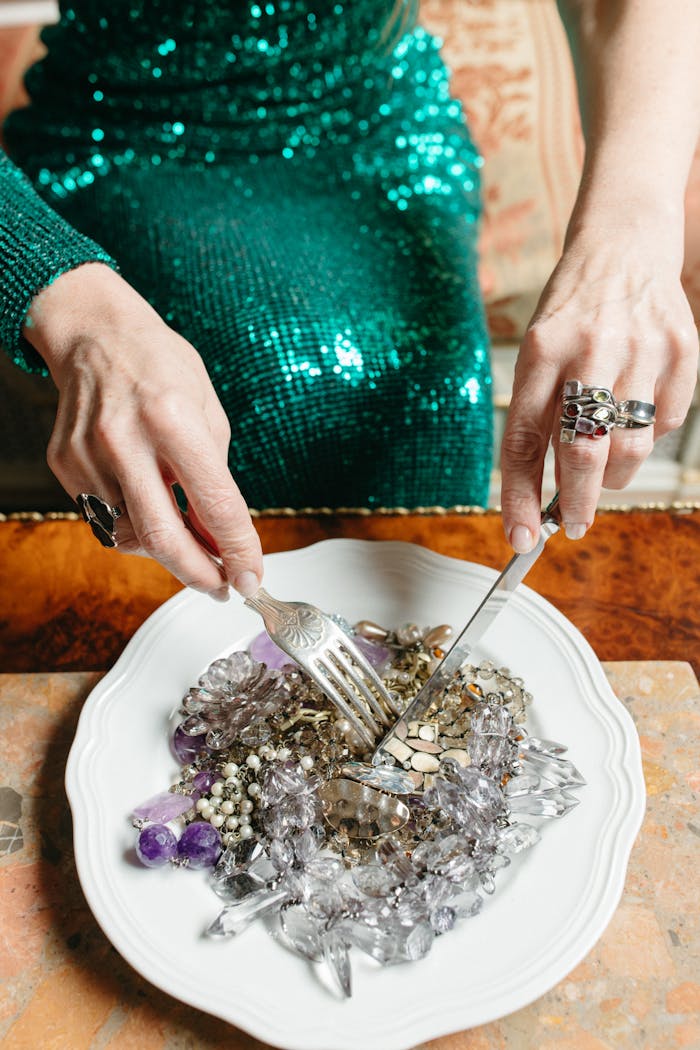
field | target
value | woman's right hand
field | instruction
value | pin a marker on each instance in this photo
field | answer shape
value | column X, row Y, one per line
column 137, row 413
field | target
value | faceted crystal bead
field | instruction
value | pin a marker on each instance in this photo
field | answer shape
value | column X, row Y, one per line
column 200, row 845
column 418, row 942
column 373, row 880
column 235, row 887
column 411, row 909
column 156, row 845
column 518, row 837
column 301, row 931
column 443, row 919
column 380, row 943
column 186, row 747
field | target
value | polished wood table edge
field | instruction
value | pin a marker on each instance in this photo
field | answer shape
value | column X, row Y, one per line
column 674, row 507
column 630, row 586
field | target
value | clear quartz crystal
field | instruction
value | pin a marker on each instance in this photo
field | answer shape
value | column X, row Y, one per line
column 518, row 837
column 548, row 803
column 235, row 918
column 301, row 931
column 337, row 959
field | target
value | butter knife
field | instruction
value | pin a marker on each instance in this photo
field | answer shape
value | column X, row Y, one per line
column 513, row 574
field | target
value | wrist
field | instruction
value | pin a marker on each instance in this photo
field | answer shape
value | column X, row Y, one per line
column 607, row 214
column 83, row 304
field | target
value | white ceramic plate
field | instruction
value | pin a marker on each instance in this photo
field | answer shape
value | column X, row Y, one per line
column 549, row 908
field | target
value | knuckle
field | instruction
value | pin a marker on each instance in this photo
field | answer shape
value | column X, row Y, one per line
column 522, row 445
column 582, row 456
column 56, row 456
column 161, row 541
column 166, row 410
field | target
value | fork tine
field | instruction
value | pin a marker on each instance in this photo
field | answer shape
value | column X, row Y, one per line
column 357, row 679
column 369, row 673
column 351, row 705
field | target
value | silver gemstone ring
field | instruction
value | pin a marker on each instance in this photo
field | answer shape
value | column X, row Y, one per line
column 588, row 410
column 593, row 412
column 100, row 516
column 633, row 414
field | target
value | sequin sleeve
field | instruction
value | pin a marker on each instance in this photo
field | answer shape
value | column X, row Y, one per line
column 36, row 247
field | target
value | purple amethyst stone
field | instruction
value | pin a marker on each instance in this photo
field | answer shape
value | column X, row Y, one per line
column 167, row 805
column 156, row 845
column 186, row 748
column 264, row 650
column 200, row 844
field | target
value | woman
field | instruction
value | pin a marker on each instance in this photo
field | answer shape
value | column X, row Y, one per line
column 288, row 188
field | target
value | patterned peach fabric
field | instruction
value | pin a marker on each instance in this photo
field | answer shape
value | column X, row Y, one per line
column 512, row 71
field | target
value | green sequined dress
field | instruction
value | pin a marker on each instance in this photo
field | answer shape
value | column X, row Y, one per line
column 292, row 187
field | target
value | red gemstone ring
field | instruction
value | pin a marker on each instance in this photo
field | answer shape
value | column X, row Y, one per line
column 588, row 410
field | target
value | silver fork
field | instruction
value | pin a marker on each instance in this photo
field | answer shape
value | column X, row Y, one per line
column 332, row 660
column 325, row 652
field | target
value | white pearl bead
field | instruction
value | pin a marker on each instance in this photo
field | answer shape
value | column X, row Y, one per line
column 202, row 803
column 233, row 782
column 217, row 820
column 232, row 823
column 230, row 769
column 246, row 806
column 253, row 790
column 271, row 754
column 283, row 753
column 253, row 761
column 306, row 762
column 236, row 796
column 207, row 812
column 227, row 806
column 246, row 832
column 217, row 789
column 343, row 725
column 243, row 820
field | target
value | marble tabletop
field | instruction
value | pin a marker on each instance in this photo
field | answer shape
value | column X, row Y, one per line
column 65, row 987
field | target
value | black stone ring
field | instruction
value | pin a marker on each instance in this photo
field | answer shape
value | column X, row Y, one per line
column 100, row 516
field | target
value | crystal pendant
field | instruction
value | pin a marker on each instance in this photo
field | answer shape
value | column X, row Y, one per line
column 549, row 803
column 235, row 918
column 337, row 959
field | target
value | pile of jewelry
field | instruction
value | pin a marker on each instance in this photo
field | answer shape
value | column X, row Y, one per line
column 276, row 798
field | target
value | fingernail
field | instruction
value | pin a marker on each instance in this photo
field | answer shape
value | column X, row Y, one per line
column 521, row 539
column 246, row 583
column 575, row 530
column 222, row 595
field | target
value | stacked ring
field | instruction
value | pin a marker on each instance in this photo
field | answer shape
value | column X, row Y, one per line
column 100, row 516
column 593, row 412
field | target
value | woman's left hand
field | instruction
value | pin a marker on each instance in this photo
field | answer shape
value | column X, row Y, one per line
column 613, row 315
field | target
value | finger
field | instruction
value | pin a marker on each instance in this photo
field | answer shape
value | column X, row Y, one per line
column 581, row 464
column 160, row 531
column 523, row 449
column 219, row 512
column 628, row 450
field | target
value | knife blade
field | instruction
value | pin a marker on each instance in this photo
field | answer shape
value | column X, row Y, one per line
column 514, row 573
